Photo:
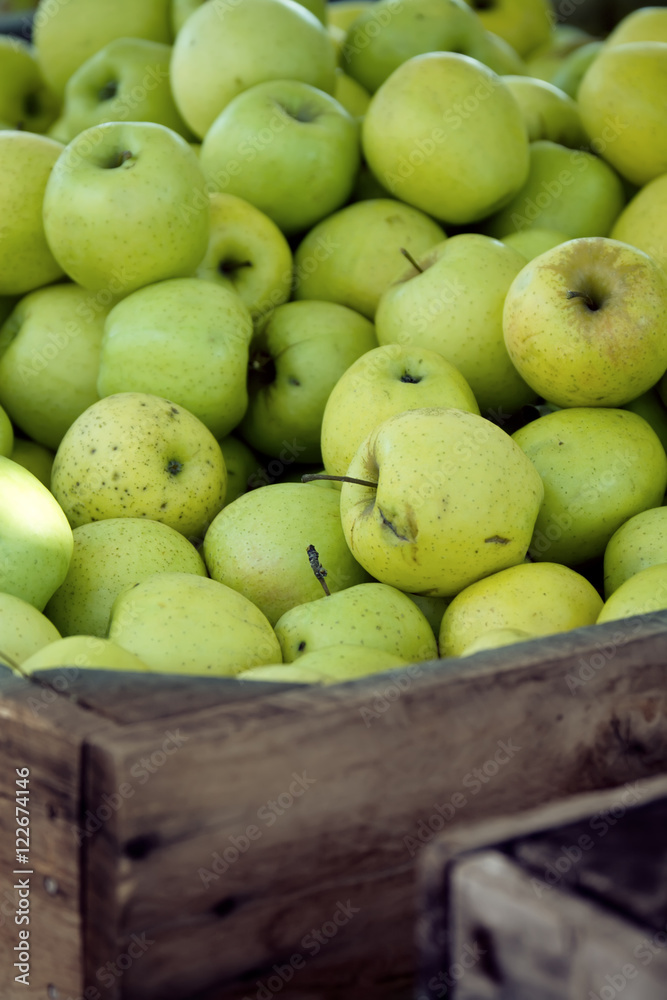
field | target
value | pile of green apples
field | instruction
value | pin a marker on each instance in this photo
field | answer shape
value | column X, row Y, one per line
column 333, row 335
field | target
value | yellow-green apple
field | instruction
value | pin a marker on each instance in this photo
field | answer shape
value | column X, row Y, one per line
column 126, row 205
column 23, row 630
column 240, row 463
column 182, row 9
column 66, row 34
column 6, row 434
column 178, row 623
column 110, row 556
column 573, row 68
column 532, row 242
column 638, row 543
column 538, row 598
column 297, row 355
column 243, row 549
column 138, row 455
column 572, row 191
column 432, row 607
column 389, row 32
column 548, row 113
column 185, row 339
column 447, row 498
column 26, row 102
column 348, row 92
column 621, row 100
column 496, row 638
column 126, row 80
column 647, row 24
column 644, row 592
column 35, row 458
column 525, row 24
column 445, row 134
column 221, row 51
column 49, row 359
column 342, row 13
column 444, row 307
column 651, row 407
column 355, row 254
column 26, row 162
column 287, row 148
column 328, row 665
column 384, row 381
column 599, row 466
column 585, row 324
column 368, row 614
column 36, row 541
column 248, row 254
column 643, row 221
column 87, row 651
column 545, row 61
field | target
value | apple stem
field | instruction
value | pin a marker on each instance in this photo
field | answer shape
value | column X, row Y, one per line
column 311, row 477
column 586, row 297
column 408, row 255
column 317, row 568
column 124, row 157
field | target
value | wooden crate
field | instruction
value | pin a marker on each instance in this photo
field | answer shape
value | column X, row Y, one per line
column 214, row 840
column 564, row 902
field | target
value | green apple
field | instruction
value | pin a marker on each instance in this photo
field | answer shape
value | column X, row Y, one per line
column 354, row 98
column 23, row 630
column 26, row 161
column 240, row 463
column 126, row 80
column 572, row 191
column 178, row 623
column 496, row 638
column 532, row 242
column 445, row 134
column 432, row 607
column 258, row 546
column 643, row 221
column 647, row 24
column 355, row 254
column 138, row 455
column 545, row 61
column 573, row 68
column 297, row 355
column 329, row 665
column 444, row 307
column 248, row 254
column 67, row 32
column 26, row 103
column 525, row 24
column 219, row 53
column 548, row 112
column 35, row 458
column 382, row 382
column 182, row 9
column 599, row 466
column 185, row 339
column 287, row 148
column 449, row 499
column 651, row 407
column 369, row 614
column 388, row 33
column 36, row 541
column 571, row 321
column 6, row 434
column 126, row 203
column 342, row 13
column 621, row 100
column 538, row 598
column 644, row 592
column 638, row 543
column 84, row 651
column 110, row 556
column 49, row 359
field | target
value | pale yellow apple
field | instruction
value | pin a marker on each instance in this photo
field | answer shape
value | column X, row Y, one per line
column 621, row 100
column 26, row 162
column 329, row 665
column 644, row 592
column 646, row 24
column 643, row 222
column 537, row 598
column 23, row 630
column 84, row 651
column 533, row 242
column 640, row 542
column 525, row 24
